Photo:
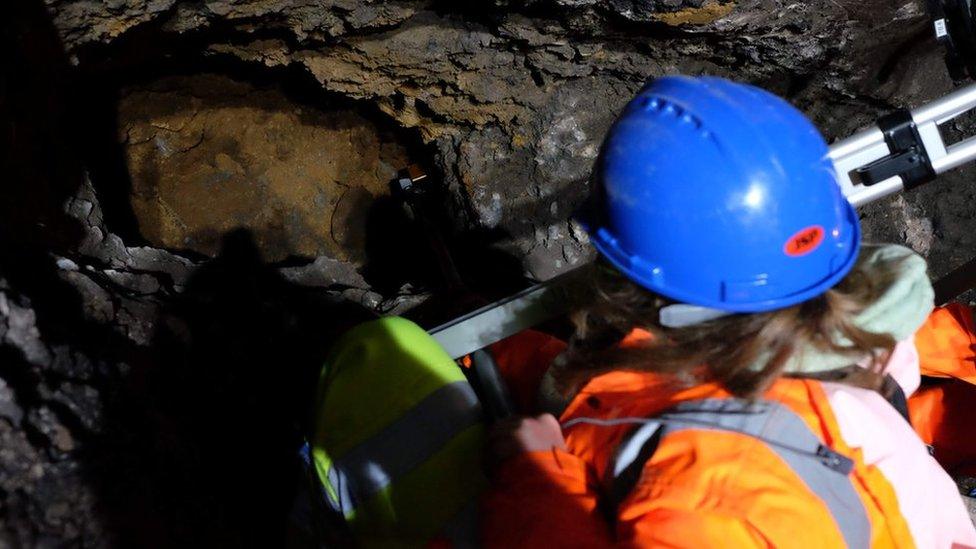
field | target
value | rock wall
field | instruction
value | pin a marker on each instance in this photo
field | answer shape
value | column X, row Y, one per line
column 507, row 94
column 207, row 155
column 155, row 370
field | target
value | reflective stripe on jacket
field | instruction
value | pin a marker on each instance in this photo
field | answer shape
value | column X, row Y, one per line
column 706, row 486
column 824, row 472
column 398, row 438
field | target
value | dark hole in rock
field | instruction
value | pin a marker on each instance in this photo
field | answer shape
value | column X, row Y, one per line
column 207, row 154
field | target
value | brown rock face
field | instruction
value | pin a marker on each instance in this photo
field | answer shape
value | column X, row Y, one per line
column 207, row 155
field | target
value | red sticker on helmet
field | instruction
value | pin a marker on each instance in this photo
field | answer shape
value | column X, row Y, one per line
column 804, row 241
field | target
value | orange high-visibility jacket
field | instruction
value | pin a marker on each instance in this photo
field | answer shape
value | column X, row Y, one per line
column 944, row 408
column 688, row 484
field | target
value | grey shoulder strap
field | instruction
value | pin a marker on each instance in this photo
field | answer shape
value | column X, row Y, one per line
column 825, row 471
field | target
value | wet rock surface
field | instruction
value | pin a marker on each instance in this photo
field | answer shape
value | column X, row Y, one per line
column 153, row 388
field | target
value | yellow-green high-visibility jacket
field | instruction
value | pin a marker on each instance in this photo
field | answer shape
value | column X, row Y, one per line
column 398, row 437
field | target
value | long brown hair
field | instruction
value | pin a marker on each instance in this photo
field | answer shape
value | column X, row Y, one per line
column 746, row 353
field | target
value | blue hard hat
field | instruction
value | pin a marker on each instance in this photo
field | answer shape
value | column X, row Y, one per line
column 721, row 195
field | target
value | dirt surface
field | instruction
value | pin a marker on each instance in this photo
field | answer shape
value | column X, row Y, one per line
column 155, row 368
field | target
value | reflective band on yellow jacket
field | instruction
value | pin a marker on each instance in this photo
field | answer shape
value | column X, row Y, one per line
column 398, row 437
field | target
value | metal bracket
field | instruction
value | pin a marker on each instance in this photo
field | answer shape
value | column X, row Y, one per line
column 908, row 158
column 871, row 145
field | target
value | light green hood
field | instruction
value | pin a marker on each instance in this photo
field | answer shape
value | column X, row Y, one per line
column 900, row 311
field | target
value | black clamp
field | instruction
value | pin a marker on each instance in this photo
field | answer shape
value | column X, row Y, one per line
column 955, row 29
column 834, row 460
column 908, row 157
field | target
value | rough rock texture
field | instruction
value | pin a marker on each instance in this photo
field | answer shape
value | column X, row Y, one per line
column 152, row 396
column 208, row 155
column 522, row 93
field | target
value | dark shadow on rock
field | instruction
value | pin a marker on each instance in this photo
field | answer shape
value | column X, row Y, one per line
column 201, row 446
column 38, row 138
column 105, row 159
column 197, row 437
column 422, row 250
column 39, row 160
column 41, row 170
column 397, row 252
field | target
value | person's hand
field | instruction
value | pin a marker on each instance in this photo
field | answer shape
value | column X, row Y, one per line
column 516, row 435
